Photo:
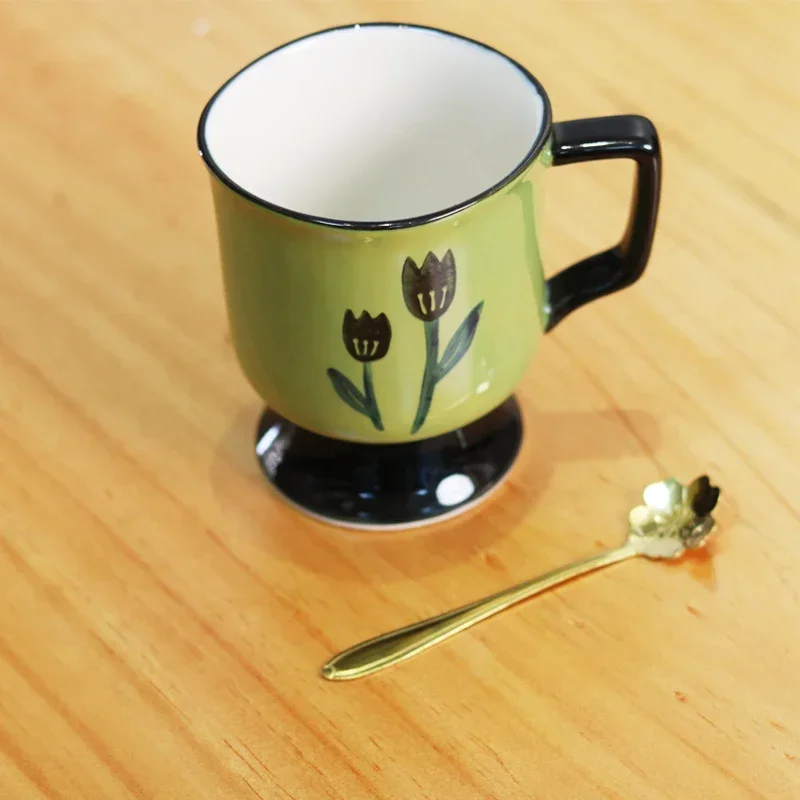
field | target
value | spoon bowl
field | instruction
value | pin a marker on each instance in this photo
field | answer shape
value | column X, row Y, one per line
column 673, row 519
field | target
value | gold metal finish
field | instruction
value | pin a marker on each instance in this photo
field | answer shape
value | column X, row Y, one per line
column 674, row 518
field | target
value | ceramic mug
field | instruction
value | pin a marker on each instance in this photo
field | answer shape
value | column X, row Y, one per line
column 377, row 191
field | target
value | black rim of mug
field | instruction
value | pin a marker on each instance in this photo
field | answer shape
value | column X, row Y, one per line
column 527, row 161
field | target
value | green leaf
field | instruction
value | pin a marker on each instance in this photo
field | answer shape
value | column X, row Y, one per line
column 348, row 392
column 460, row 342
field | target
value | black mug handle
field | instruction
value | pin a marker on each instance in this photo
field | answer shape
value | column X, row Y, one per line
column 624, row 136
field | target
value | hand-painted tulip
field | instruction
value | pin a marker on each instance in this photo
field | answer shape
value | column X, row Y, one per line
column 429, row 290
column 365, row 338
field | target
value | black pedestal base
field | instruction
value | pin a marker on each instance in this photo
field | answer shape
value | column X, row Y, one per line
column 374, row 486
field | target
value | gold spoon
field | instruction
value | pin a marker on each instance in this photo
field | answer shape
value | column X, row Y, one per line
column 675, row 518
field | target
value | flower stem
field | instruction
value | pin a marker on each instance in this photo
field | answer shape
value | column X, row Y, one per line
column 430, row 375
column 372, row 403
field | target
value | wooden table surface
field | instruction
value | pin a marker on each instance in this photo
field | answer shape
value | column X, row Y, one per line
column 163, row 617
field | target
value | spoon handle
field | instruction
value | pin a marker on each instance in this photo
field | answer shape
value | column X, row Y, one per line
column 398, row 645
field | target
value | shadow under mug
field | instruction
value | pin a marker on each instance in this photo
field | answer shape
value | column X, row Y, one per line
column 377, row 191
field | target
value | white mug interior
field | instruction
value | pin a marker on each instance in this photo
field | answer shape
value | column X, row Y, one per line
column 374, row 124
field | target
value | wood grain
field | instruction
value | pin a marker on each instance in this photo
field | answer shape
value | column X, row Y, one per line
column 163, row 617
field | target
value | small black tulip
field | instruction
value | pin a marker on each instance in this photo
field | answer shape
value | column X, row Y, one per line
column 365, row 338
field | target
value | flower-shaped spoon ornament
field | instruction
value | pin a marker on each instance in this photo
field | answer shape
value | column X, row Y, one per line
column 674, row 518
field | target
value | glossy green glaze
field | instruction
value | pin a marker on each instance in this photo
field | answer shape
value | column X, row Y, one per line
column 289, row 285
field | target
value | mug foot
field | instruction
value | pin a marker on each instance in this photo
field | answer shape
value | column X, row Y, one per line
column 391, row 486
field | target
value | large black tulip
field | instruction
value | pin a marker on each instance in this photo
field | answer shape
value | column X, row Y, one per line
column 429, row 290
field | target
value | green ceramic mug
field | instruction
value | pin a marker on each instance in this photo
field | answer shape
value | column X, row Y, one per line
column 377, row 191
